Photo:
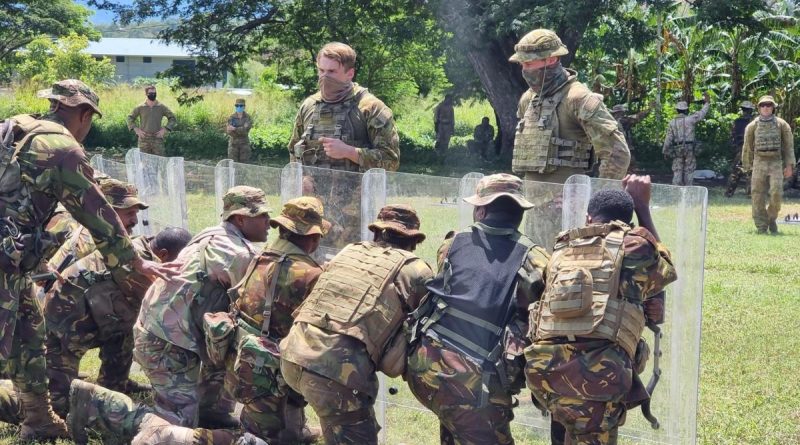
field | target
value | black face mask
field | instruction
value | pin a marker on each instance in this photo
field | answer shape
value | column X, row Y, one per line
column 545, row 80
column 151, row 96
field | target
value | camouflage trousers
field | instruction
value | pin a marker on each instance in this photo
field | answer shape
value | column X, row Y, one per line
column 443, row 140
column 152, row 145
column 450, row 385
column 737, row 174
column 583, row 385
column 766, row 190
column 346, row 416
column 185, row 389
column 683, row 167
column 239, row 150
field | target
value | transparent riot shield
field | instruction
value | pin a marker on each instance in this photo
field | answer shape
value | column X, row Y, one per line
column 160, row 182
column 679, row 214
column 113, row 169
column 543, row 222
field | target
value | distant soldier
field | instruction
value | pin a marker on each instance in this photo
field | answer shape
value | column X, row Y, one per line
column 482, row 139
column 238, row 129
column 737, row 141
column 681, row 145
column 626, row 122
column 561, row 121
column 350, row 327
column 168, row 336
column 444, row 124
column 43, row 164
column 149, row 129
column 768, row 151
column 470, row 332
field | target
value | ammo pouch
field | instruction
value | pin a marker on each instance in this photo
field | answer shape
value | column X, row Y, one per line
column 220, row 332
column 257, row 366
column 394, row 357
column 110, row 309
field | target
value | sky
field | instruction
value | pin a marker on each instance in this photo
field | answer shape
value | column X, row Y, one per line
column 102, row 17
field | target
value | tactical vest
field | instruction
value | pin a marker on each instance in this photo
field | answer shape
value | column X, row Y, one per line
column 582, row 294
column 275, row 261
column 768, row 138
column 537, row 145
column 355, row 296
column 341, row 120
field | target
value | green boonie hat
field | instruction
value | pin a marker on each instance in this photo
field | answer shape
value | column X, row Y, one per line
column 244, row 200
column 239, row 101
column 619, row 108
column 538, row 44
column 747, row 104
column 72, row 92
column 120, row 195
column 682, row 105
column 302, row 216
column 494, row 186
column 398, row 218
column 767, row 99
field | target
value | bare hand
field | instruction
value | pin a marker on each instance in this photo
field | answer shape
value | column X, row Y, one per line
column 230, row 128
column 654, row 310
column 154, row 270
column 138, row 131
column 161, row 133
column 336, row 149
column 639, row 188
column 788, row 171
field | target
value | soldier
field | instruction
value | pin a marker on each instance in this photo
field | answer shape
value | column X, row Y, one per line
column 43, row 164
column 349, row 327
column 482, row 138
column 681, row 145
column 444, row 124
column 168, row 338
column 737, row 141
column 96, row 308
column 626, row 122
column 238, row 129
column 276, row 282
column 561, row 121
column 468, row 362
column 769, row 152
column 149, row 130
column 602, row 286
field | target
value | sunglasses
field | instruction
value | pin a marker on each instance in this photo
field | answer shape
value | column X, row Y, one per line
column 765, row 105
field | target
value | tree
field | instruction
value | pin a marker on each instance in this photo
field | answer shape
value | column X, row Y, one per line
column 45, row 62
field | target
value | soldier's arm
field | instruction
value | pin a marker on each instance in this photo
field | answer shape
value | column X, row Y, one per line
column 609, row 143
column 647, row 267
column 227, row 260
column 747, row 147
column 247, row 125
column 667, row 140
column 385, row 150
column 133, row 116
column 172, row 122
column 410, row 282
column 700, row 115
column 787, row 139
column 531, row 279
column 297, row 131
column 441, row 254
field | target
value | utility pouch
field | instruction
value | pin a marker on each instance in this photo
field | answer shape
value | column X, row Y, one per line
column 220, row 330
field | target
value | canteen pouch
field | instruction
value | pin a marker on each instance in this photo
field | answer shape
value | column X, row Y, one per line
column 219, row 329
column 256, row 369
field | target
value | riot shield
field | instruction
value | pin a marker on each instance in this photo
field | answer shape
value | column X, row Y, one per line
column 679, row 214
column 543, row 222
column 113, row 169
column 201, row 196
column 160, row 182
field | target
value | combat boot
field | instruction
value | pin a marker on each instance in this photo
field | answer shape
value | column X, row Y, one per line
column 40, row 422
column 114, row 415
column 773, row 227
column 296, row 430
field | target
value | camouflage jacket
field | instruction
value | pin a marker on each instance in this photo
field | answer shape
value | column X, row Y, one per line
column 54, row 168
column 296, row 275
column 242, row 126
column 583, row 116
column 483, row 133
column 168, row 306
column 345, row 359
column 150, row 118
column 79, row 243
column 681, row 129
column 380, row 127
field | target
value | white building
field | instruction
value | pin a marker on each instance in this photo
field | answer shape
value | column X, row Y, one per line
column 139, row 57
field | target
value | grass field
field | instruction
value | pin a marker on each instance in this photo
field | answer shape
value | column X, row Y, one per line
column 749, row 390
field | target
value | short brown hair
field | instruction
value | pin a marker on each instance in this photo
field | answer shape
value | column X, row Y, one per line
column 150, row 87
column 339, row 52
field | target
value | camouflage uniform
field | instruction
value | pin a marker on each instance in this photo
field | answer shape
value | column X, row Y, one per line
column 681, row 144
column 482, row 138
column 737, row 141
column 445, row 125
column 71, row 327
column 450, row 381
column 239, row 142
column 52, row 168
column 284, row 274
column 337, row 372
column 585, row 382
column 150, row 118
column 168, row 336
column 768, row 150
column 625, row 124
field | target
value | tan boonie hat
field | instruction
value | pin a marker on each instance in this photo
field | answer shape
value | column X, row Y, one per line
column 120, row 195
column 239, row 101
column 538, row 44
column 72, row 92
column 302, row 216
column 494, row 186
column 747, row 104
column 682, row 105
column 244, row 200
column 767, row 99
column 398, row 218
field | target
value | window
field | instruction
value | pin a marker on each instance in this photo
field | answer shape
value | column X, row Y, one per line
column 147, row 59
column 120, row 59
column 183, row 63
column 98, row 58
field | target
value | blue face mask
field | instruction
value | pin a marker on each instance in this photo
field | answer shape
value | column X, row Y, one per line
column 239, row 108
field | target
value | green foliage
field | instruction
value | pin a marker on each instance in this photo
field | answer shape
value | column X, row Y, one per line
column 45, row 62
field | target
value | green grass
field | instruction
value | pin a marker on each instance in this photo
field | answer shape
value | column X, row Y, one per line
column 749, row 391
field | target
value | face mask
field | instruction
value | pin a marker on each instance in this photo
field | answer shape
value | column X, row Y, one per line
column 151, row 96
column 239, row 108
column 333, row 90
column 545, row 80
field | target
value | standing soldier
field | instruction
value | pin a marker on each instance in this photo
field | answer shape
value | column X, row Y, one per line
column 626, row 122
column 681, row 145
column 444, row 124
column 149, row 130
column 43, row 164
column 769, row 152
column 561, row 121
column 275, row 284
column 168, row 337
column 602, row 286
column 737, row 141
column 468, row 361
column 482, row 138
column 238, row 129
column 350, row 327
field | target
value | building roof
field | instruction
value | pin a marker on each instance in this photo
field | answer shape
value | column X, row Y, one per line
column 113, row 46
